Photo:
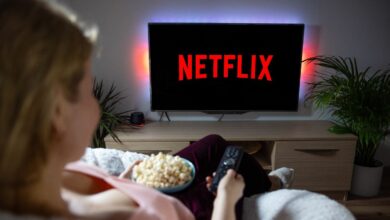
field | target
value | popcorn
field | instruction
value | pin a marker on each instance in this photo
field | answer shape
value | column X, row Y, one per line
column 162, row 171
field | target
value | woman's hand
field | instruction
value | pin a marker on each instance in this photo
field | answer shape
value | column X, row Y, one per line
column 127, row 173
column 231, row 186
column 230, row 190
column 209, row 180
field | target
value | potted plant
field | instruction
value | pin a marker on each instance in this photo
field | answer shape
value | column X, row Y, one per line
column 110, row 118
column 359, row 103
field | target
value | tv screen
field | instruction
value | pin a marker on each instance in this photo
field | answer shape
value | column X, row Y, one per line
column 218, row 67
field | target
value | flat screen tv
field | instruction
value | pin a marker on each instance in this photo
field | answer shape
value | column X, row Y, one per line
column 219, row 67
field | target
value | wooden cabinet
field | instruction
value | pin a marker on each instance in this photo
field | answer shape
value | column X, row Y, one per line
column 323, row 161
column 148, row 147
column 319, row 165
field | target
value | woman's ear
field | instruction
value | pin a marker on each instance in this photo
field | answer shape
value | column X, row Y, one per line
column 60, row 115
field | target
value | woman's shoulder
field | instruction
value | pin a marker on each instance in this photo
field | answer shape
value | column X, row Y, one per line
column 83, row 167
column 4, row 215
column 117, row 215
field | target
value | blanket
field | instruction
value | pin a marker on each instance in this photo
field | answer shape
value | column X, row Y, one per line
column 280, row 204
column 294, row 204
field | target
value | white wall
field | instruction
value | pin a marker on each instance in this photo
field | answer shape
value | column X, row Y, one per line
column 359, row 28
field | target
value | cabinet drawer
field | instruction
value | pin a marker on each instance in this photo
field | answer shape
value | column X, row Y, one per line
column 319, row 165
column 148, row 147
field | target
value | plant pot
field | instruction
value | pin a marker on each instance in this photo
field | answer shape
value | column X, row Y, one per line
column 366, row 181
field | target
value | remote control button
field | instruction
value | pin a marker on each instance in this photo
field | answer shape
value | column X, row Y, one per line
column 229, row 162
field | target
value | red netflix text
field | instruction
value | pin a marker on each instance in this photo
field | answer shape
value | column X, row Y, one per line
column 193, row 66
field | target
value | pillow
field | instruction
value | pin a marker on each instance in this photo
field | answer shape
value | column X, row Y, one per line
column 112, row 160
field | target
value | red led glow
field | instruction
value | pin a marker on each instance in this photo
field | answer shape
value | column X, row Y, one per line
column 307, row 70
column 140, row 64
column 141, row 61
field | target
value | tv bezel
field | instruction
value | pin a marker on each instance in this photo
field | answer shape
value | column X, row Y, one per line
column 230, row 111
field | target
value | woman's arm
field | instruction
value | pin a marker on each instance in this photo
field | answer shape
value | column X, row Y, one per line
column 110, row 204
column 230, row 190
column 83, row 184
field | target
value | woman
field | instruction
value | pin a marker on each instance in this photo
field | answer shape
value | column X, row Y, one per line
column 48, row 115
column 206, row 155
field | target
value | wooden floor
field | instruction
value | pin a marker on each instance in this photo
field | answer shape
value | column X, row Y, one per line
column 376, row 208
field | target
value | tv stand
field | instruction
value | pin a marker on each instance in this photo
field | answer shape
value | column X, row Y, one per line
column 323, row 161
column 220, row 118
column 166, row 114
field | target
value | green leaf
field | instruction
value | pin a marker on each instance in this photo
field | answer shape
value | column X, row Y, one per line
column 337, row 129
column 357, row 101
column 110, row 117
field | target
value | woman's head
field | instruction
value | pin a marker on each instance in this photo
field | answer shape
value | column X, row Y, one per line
column 44, row 64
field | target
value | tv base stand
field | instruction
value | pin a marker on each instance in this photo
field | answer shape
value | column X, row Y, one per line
column 166, row 115
column 322, row 161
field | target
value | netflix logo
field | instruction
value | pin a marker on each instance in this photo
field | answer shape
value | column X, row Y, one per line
column 223, row 65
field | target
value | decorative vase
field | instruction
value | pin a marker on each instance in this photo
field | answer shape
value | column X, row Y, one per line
column 366, row 181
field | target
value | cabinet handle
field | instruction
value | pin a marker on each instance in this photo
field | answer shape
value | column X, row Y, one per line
column 316, row 150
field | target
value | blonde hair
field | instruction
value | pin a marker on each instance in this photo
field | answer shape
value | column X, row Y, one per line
column 41, row 50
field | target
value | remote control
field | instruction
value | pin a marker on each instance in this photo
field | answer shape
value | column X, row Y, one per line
column 231, row 159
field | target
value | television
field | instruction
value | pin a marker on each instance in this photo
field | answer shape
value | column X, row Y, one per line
column 225, row 67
